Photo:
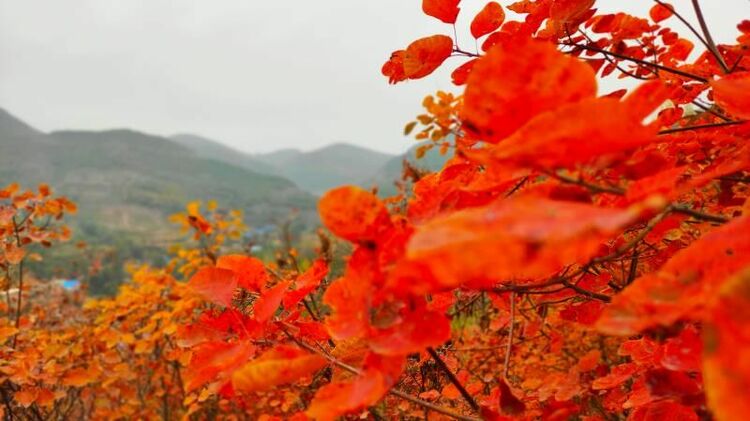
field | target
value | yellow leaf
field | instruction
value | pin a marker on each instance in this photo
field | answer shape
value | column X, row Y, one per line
column 280, row 365
column 7, row 332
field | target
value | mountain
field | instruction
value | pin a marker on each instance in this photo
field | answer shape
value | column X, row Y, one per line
column 212, row 149
column 322, row 169
column 315, row 171
column 126, row 183
column 391, row 171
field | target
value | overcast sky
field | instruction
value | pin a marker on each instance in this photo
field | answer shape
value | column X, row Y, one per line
column 256, row 75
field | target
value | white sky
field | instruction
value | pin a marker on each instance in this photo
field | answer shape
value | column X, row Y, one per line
column 257, row 75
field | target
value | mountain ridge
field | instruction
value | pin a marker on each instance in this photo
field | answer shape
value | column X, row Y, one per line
column 315, row 171
column 126, row 184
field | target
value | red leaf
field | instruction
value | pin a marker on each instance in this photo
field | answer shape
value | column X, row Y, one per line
column 280, row 365
column 417, row 330
column 306, row 283
column 663, row 411
column 425, row 55
column 553, row 139
column 353, row 214
column 585, row 314
column 215, row 285
column 394, row 67
column 684, row 352
column 509, row 404
column 378, row 375
column 461, row 74
column 350, row 297
column 251, row 272
column 497, row 102
column 216, row 361
column 731, row 93
column 661, row 12
column 269, row 301
column 445, row 10
column 726, row 338
column 522, row 238
column 488, row 19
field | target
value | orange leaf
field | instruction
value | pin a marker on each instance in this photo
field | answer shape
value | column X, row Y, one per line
column 269, row 301
column 726, row 361
column 425, row 55
column 353, row 214
column 661, row 12
column 79, row 377
column 445, row 10
column 215, row 285
column 417, row 330
column 25, row 397
column 497, row 101
column 349, row 297
column 522, row 238
column 280, row 365
column 251, row 272
column 487, row 20
column 306, row 283
column 731, row 93
column 683, row 285
column 7, row 332
column 216, row 361
column 14, row 255
column 575, row 133
column 336, row 399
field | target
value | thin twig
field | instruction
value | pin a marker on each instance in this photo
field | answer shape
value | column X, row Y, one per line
column 709, row 39
column 453, row 379
column 587, row 293
column 506, row 364
column 594, row 188
column 719, row 219
column 702, row 126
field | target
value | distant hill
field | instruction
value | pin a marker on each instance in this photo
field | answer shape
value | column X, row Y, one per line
column 391, row 172
column 127, row 183
column 212, row 149
column 315, row 171
column 331, row 166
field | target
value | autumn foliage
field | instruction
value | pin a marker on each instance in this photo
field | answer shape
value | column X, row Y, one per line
column 583, row 255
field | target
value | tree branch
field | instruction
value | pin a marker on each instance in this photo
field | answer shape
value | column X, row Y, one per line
column 453, row 379
column 639, row 61
column 709, row 39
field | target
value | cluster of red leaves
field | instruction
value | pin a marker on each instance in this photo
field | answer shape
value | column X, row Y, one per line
column 580, row 256
column 574, row 217
column 553, row 186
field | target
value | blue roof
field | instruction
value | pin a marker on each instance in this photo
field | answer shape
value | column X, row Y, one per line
column 71, row 284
